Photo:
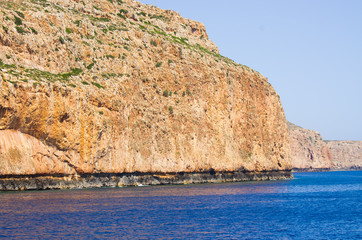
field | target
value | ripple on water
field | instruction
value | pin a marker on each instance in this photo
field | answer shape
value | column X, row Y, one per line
column 312, row 206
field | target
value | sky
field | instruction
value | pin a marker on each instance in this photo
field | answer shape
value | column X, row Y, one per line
column 310, row 50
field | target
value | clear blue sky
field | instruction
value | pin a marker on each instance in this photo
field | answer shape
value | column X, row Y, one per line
column 310, row 50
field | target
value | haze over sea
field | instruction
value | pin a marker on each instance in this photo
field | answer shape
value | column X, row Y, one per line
column 325, row 205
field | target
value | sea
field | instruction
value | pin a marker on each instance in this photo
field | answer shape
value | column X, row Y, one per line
column 318, row 205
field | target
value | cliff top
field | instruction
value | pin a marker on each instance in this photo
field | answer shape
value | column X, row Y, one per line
column 57, row 40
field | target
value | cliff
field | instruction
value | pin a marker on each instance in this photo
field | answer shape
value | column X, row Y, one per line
column 120, row 90
column 309, row 152
column 346, row 154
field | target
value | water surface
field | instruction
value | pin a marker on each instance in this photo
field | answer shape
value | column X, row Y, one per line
column 324, row 205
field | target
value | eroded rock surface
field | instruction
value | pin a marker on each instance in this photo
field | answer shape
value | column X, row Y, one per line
column 346, row 154
column 308, row 150
column 98, row 86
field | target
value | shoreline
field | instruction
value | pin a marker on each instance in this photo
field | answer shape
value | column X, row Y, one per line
column 297, row 170
column 98, row 180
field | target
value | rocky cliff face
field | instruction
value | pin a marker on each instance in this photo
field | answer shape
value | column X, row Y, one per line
column 308, row 150
column 111, row 87
column 346, row 154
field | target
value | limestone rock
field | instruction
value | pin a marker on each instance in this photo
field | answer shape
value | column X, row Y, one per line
column 346, row 154
column 308, row 150
column 99, row 86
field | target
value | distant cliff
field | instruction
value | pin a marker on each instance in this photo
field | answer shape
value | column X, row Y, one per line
column 112, row 93
column 309, row 152
column 345, row 154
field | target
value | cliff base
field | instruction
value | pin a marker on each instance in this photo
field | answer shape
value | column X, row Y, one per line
column 42, row 182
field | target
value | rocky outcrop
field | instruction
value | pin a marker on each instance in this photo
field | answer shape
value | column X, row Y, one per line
column 346, row 154
column 98, row 87
column 308, row 150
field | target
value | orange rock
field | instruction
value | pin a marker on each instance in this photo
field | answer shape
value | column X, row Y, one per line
column 308, row 150
column 346, row 154
column 114, row 88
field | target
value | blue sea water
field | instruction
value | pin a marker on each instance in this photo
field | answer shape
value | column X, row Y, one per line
column 326, row 205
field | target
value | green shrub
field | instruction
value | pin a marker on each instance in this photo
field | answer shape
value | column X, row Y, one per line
column 85, row 83
column 170, row 109
column 89, row 67
column 122, row 16
column 4, row 65
column 77, row 22
column 20, row 14
column 33, row 30
column 143, row 14
column 109, row 56
column 20, row 30
column 161, row 17
column 158, row 64
column 121, row 13
column 73, row 72
column 13, row 82
column 39, row 75
column 165, row 93
column 97, row 85
column 159, row 31
column 99, row 19
column 153, row 42
column 68, row 30
column 112, row 28
column 61, row 40
column 18, row 21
